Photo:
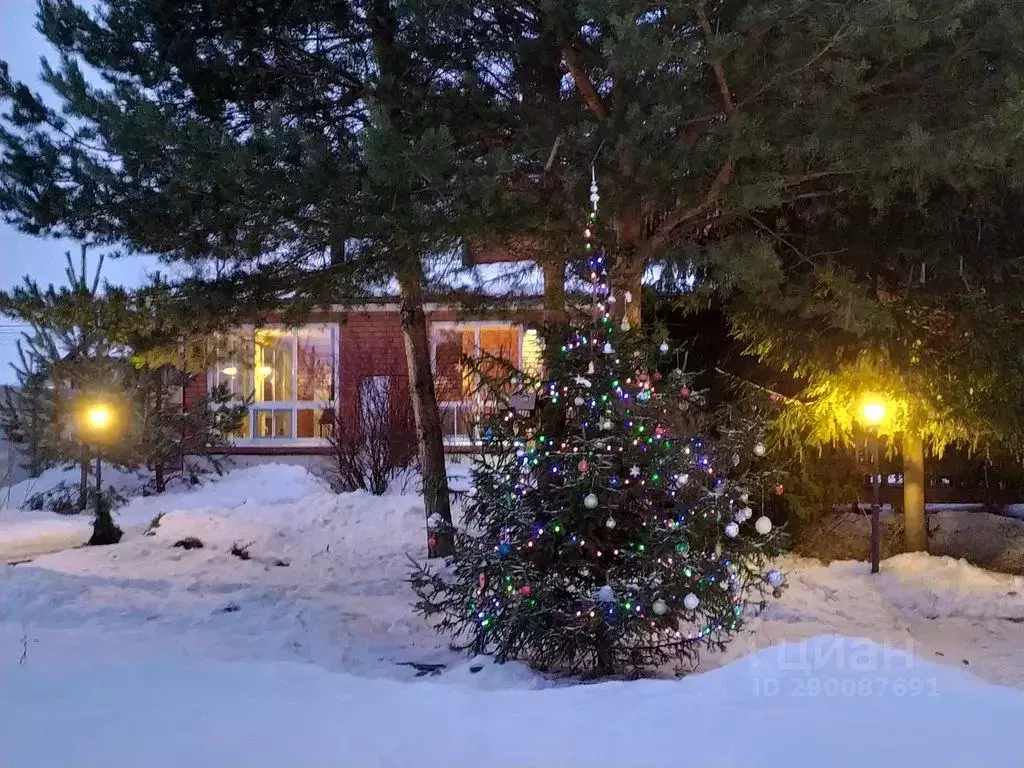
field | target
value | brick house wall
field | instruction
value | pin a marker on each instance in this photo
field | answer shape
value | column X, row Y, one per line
column 370, row 344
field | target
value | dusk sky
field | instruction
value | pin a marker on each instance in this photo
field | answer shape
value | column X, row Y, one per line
column 21, row 46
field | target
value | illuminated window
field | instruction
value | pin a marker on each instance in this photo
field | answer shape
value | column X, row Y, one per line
column 462, row 393
column 290, row 376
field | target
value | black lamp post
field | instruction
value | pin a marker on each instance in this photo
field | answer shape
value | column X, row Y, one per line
column 97, row 422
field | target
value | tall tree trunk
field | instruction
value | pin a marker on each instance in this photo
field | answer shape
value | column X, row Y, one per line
column 554, row 290
column 440, row 539
column 915, row 533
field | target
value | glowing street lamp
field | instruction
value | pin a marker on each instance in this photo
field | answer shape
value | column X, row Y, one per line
column 99, row 417
column 97, row 424
column 872, row 413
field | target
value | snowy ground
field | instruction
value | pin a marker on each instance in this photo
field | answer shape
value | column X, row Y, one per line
column 295, row 656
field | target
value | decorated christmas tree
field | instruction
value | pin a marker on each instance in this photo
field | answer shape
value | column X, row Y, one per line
column 617, row 525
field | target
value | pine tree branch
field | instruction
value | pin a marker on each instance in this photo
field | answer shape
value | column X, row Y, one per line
column 760, row 387
column 554, row 153
column 665, row 231
column 773, row 81
column 582, row 82
column 725, row 173
column 716, row 64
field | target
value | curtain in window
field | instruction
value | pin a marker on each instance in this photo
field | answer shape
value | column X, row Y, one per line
column 452, row 378
column 500, row 348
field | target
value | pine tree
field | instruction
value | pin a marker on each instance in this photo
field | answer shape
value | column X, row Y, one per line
column 337, row 170
column 67, row 351
column 616, row 535
column 914, row 301
column 701, row 116
column 171, row 438
column 25, row 407
column 91, row 342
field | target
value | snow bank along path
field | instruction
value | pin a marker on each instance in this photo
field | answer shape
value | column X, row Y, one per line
column 200, row 655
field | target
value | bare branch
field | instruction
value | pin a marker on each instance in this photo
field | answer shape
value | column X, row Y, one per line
column 554, row 153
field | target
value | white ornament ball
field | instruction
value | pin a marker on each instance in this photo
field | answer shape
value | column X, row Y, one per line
column 590, row 501
column 610, row 523
column 578, row 401
column 608, row 348
column 732, row 530
column 775, row 577
column 434, row 521
column 659, row 607
column 663, row 348
column 606, row 424
column 723, row 585
column 759, row 449
column 606, row 594
column 744, row 497
column 691, row 601
column 763, row 525
column 743, row 514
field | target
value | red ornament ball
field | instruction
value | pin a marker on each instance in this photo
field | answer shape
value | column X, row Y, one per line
column 525, row 589
column 684, row 392
column 432, row 542
column 779, row 490
column 774, row 398
column 583, row 466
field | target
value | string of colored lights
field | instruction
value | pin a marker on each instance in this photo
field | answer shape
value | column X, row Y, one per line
column 616, row 418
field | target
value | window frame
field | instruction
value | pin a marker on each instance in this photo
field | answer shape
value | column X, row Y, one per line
column 475, row 400
column 293, row 405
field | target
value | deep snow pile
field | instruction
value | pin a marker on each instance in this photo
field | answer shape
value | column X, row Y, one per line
column 324, row 580
column 297, row 654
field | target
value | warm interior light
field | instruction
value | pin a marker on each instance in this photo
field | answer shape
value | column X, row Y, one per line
column 873, row 412
column 229, row 371
column 99, row 416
